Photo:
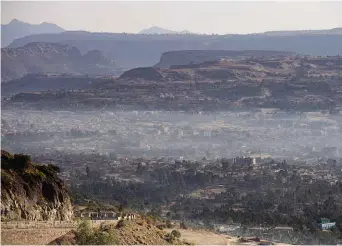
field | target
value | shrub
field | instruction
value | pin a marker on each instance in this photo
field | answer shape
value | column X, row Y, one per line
column 168, row 224
column 183, row 226
column 149, row 220
column 21, row 161
column 36, row 173
column 175, row 234
column 84, row 233
column 121, row 223
column 87, row 235
column 105, row 237
column 6, row 178
column 54, row 168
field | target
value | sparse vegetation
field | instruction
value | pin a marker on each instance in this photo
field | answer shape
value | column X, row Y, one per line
column 175, row 234
column 121, row 223
column 88, row 235
column 21, row 179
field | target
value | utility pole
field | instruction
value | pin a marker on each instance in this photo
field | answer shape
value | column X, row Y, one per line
column 295, row 202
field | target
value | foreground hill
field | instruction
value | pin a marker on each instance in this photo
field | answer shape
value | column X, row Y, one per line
column 138, row 50
column 32, row 192
column 17, row 29
column 52, row 58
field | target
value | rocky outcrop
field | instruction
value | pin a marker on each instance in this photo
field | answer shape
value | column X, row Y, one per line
column 188, row 57
column 144, row 73
column 53, row 58
column 156, row 74
column 32, row 192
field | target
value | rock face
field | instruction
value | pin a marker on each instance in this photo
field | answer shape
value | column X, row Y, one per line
column 186, row 57
column 32, row 192
column 53, row 58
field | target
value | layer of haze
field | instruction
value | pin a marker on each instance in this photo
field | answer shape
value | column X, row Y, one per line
column 198, row 17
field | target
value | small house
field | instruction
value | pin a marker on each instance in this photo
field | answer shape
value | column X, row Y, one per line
column 326, row 224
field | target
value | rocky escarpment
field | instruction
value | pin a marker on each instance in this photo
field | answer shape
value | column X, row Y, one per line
column 288, row 83
column 32, row 192
column 53, row 58
column 155, row 74
column 186, row 57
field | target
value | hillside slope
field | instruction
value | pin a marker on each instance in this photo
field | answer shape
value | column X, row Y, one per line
column 32, row 192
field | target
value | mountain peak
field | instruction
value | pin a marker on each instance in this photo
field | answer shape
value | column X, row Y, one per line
column 15, row 21
column 17, row 29
column 159, row 30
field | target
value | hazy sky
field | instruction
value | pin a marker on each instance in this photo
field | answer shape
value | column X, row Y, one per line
column 199, row 17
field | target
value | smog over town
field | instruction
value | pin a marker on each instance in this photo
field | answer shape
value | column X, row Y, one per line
column 139, row 127
column 302, row 136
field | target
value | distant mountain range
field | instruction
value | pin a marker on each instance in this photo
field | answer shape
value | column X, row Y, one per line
column 146, row 48
column 18, row 29
column 334, row 31
column 141, row 50
column 159, row 30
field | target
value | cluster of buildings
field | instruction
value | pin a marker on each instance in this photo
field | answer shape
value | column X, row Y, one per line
column 104, row 215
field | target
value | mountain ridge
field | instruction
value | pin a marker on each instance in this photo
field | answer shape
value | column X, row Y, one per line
column 17, row 29
column 138, row 50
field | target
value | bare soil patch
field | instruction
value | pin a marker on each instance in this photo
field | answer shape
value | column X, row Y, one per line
column 31, row 236
column 202, row 237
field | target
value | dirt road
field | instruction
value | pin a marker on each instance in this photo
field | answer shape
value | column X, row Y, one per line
column 202, row 237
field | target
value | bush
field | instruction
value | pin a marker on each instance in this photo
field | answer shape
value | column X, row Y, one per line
column 168, row 224
column 105, row 237
column 21, row 161
column 183, row 226
column 175, row 234
column 6, row 178
column 121, row 223
column 54, row 168
column 35, row 173
column 84, row 233
column 149, row 220
column 87, row 235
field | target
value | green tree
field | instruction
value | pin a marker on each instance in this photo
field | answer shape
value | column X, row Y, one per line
column 88, row 171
